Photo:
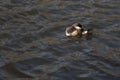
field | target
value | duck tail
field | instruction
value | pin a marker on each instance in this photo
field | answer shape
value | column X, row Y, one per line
column 89, row 31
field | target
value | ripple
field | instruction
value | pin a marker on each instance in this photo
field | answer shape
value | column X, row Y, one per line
column 33, row 43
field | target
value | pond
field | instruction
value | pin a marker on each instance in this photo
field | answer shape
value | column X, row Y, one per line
column 33, row 42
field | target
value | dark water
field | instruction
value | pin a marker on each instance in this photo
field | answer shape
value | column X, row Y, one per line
column 33, row 44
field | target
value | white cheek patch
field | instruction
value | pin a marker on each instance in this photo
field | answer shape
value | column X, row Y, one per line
column 77, row 27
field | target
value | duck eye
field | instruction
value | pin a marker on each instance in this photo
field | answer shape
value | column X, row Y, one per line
column 79, row 25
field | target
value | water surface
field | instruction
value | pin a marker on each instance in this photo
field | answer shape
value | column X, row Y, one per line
column 33, row 44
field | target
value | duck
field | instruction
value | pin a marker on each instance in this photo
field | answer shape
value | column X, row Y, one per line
column 74, row 30
column 77, row 30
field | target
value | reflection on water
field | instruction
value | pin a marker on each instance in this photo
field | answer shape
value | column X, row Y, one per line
column 33, row 43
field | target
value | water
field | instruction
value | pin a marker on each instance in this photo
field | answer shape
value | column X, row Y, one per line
column 33, row 43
